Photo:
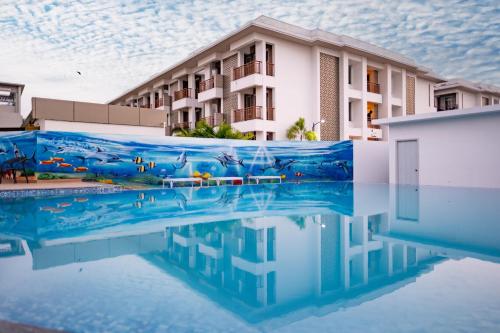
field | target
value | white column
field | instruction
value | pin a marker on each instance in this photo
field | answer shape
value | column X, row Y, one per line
column 403, row 92
column 364, row 99
column 152, row 99
column 344, row 98
column 387, row 92
column 317, row 86
column 260, row 97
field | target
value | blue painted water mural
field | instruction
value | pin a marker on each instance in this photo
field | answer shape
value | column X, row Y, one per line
column 150, row 159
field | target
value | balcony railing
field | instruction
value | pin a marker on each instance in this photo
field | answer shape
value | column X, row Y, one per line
column 214, row 120
column 447, row 107
column 163, row 102
column 250, row 113
column 247, row 69
column 184, row 124
column 270, row 113
column 184, row 93
column 206, row 85
column 373, row 87
column 269, row 69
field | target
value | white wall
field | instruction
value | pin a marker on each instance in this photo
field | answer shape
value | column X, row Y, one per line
column 71, row 126
column 371, row 161
column 424, row 102
column 461, row 151
column 294, row 96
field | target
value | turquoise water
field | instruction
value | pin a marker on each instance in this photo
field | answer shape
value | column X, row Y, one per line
column 313, row 257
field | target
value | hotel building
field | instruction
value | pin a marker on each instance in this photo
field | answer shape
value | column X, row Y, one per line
column 462, row 94
column 267, row 74
column 10, row 106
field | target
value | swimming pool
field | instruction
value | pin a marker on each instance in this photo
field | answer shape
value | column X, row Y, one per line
column 286, row 258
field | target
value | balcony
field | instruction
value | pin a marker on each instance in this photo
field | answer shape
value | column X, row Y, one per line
column 270, row 113
column 184, row 93
column 181, row 125
column 210, row 89
column 374, row 132
column 214, row 120
column 373, row 87
column 269, row 69
column 185, row 98
column 250, row 113
column 447, row 107
column 252, row 67
column 163, row 103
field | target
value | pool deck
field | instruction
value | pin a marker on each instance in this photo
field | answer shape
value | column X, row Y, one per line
column 55, row 188
column 47, row 186
column 7, row 326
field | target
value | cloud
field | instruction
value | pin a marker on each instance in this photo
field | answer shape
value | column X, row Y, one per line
column 117, row 44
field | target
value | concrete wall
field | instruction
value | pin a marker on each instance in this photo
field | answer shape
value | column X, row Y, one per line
column 74, row 126
column 371, row 161
column 461, row 151
column 93, row 113
column 424, row 96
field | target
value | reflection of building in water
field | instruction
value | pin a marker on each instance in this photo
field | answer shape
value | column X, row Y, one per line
column 11, row 248
column 273, row 264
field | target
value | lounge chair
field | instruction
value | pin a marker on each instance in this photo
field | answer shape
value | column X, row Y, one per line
column 171, row 181
column 218, row 180
column 259, row 178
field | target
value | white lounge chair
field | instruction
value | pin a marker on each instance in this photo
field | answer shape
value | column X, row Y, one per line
column 218, row 180
column 258, row 178
column 171, row 181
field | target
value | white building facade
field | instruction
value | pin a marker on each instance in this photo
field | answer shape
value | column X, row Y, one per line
column 10, row 106
column 267, row 74
column 462, row 94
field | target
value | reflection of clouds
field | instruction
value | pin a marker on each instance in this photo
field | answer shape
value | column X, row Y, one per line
column 117, row 45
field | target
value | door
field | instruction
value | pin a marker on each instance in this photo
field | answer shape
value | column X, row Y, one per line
column 407, row 162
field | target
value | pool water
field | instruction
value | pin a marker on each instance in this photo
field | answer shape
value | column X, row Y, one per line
column 312, row 257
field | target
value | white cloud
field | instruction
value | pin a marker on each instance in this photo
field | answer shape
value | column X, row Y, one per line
column 117, row 44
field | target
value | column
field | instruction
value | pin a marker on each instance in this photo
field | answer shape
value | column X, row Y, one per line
column 387, row 92
column 152, row 99
column 403, row 92
column 344, row 97
column 364, row 99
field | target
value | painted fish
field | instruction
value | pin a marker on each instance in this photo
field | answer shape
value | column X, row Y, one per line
column 141, row 168
column 299, row 174
column 64, row 165
column 57, row 159
column 181, row 161
column 137, row 160
column 80, row 169
column 47, row 162
column 151, row 164
column 138, row 204
column 64, row 204
column 226, row 159
column 80, row 200
column 140, row 196
column 3, row 151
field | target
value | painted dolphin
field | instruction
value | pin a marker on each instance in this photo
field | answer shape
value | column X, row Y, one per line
column 279, row 165
column 4, row 151
column 226, row 159
column 342, row 165
column 181, row 161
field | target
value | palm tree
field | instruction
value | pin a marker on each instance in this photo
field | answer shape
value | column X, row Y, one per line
column 298, row 130
column 203, row 130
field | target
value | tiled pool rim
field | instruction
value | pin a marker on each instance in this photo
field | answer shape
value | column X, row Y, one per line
column 59, row 191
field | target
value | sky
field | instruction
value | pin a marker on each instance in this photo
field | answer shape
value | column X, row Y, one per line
column 119, row 44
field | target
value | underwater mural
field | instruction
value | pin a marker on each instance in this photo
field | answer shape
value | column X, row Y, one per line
column 144, row 159
column 17, row 156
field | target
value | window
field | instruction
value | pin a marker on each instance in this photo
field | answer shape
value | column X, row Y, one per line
column 486, row 101
column 349, row 71
column 270, row 136
column 350, row 111
column 495, row 101
column 447, row 102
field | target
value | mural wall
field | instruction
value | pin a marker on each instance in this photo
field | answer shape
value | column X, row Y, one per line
column 145, row 159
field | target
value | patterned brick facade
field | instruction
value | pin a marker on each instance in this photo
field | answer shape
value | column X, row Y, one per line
column 230, row 100
column 410, row 95
column 329, row 96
